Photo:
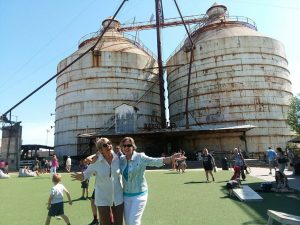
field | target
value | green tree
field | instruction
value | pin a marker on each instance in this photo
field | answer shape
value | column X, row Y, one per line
column 292, row 118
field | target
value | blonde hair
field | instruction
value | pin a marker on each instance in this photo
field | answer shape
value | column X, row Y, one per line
column 129, row 139
column 56, row 178
column 100, row 141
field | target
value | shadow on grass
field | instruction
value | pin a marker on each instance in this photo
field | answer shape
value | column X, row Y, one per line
column 196, row 182
column 227, row 196
column 174, row 172
column 254, row 222
column 221, row 181
column 42, row 177
column 76, row 200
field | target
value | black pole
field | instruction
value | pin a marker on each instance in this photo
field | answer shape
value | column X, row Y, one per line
column 187, row 31
column 187, row 123
column 79, row 57
column 160, row 65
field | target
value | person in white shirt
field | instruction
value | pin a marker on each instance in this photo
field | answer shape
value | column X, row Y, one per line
column 68, row 164
column 55, row 201
column 108, row 187
column 3, row 175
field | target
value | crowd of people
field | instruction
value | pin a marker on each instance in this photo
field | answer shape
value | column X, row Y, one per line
column 277, row 160
column 120, row 187
column 121, row 190
column 43, row 165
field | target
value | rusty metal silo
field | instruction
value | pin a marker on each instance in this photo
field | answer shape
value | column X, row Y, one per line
column 88, row 93
column 239, row 77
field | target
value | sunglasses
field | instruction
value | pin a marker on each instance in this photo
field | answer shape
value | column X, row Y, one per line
column 106, row 145
column 129, row 146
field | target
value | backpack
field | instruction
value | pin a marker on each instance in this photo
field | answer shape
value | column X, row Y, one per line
column 283, row 160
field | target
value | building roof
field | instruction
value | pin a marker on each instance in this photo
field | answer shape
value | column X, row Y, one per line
column 295, row 140
column 36, row 147
column 174, row 132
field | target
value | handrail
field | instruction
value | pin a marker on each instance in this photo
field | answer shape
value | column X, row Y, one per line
column 131, row 38
column 89, row 36
column 139, row 43
column 244, row 20
column 125, row 25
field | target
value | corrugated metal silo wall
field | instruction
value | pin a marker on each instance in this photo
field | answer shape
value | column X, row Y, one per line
column 235, row 81
column 87, row 96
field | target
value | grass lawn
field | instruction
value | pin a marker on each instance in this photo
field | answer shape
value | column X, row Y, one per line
column 174, row 199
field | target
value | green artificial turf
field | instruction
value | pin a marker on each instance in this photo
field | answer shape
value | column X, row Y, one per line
column 174, row 199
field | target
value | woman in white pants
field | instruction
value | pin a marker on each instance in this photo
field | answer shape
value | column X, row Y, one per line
column 135, row 190
column 108, row 187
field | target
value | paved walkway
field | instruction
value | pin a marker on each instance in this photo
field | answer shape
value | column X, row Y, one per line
column 263, row 173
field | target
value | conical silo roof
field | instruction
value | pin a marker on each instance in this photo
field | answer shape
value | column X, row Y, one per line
column 220, row 25
column 115, row 41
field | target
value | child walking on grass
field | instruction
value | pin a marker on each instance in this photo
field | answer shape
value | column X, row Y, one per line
column 55, row 201
column 85, row 183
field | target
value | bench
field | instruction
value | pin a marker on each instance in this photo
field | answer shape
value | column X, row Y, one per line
column 27, row 163
column 283, row 218
column 246, row 193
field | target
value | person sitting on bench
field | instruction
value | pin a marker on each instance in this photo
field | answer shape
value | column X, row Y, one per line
column 281, row 182
column 232, row 184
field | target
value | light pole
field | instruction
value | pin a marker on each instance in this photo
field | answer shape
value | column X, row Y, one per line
column 47, row 133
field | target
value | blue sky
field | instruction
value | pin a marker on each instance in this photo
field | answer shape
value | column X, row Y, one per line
column 36, row 35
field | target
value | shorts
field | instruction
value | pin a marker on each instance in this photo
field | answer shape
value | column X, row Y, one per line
column 273, row 163
column 85, row 184
column 56, row 209
column 208, row 167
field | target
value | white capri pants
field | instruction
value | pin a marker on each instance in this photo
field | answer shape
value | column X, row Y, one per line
column 133, row 209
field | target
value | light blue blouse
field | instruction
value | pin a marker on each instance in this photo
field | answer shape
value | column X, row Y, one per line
column 133, row 171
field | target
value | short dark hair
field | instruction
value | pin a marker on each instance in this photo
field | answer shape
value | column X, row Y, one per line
column 279, row 149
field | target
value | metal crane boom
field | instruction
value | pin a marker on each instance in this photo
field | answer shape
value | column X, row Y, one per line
column 171, row 22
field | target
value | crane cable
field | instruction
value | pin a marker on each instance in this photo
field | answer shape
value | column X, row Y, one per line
column 190, row 69
column 79, row 57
